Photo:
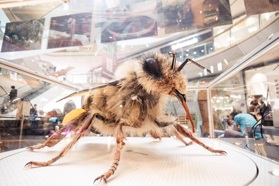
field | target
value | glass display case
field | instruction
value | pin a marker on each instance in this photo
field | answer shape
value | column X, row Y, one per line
column 74, row 47
column 251, row 83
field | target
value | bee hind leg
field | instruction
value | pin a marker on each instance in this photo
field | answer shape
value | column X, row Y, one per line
column 61, row 154
column 84, row 127
column 51, row 141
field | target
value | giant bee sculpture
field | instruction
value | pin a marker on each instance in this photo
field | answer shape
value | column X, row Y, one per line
column 133, row 104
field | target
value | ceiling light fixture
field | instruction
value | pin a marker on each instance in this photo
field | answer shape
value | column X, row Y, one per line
column 212, row 69
column 219, row 66
column 225, row 61
column 184, row 44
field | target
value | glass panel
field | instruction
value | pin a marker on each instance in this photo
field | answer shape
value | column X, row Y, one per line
column 256, row 85
column 84, row 57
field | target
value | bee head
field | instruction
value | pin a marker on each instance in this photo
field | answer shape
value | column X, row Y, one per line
column 160, row 73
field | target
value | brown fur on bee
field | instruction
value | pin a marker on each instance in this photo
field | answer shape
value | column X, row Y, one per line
column 133, row 104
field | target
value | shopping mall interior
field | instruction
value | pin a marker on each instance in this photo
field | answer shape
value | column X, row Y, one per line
column 57, row 53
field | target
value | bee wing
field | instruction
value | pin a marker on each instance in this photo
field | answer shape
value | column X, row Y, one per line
column 86, row 91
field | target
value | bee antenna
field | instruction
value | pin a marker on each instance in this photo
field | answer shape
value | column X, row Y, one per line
column 182, row 65
column 195, row 63
column 173, row 59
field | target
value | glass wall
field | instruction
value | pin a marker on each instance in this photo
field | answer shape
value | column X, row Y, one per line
column 211, row 97
column 226, row 36
column 254, row 84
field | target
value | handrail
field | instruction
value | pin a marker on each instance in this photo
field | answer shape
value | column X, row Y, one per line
column 4, row 90
column 191, row 46
column 247, row 59
column 6, row 93
column 217, row 35
column 22, row 95
column 196, row 44
column 22, row 70
column 224, row 32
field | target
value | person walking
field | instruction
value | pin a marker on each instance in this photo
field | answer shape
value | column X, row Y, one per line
column 13, row 93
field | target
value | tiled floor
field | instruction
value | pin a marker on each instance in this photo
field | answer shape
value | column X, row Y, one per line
column 144, row 161
column 259, row 147
column 12, row 140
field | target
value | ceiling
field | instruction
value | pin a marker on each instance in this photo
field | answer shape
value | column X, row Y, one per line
column 21, row 3
column 89, row 56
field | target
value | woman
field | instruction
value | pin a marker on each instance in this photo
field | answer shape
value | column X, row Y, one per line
column 239, row 123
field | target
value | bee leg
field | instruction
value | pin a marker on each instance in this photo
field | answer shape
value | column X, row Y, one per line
column 120, row 136
column 179, row 136
column 51, row 141
column 189, row 134
column 62, row 153
column 155, row 135
column 58, row 136
column 76, row 137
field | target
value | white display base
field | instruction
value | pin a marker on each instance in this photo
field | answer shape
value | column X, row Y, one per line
column 144, row 161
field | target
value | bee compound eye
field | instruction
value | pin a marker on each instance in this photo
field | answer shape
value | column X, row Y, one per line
column 152, row 67
column 150, row 60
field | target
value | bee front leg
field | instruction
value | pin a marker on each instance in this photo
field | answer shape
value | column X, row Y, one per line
column 155, row 135
column 173, row 130
column 189, row 134
column 179, row 137
column 120, row 136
